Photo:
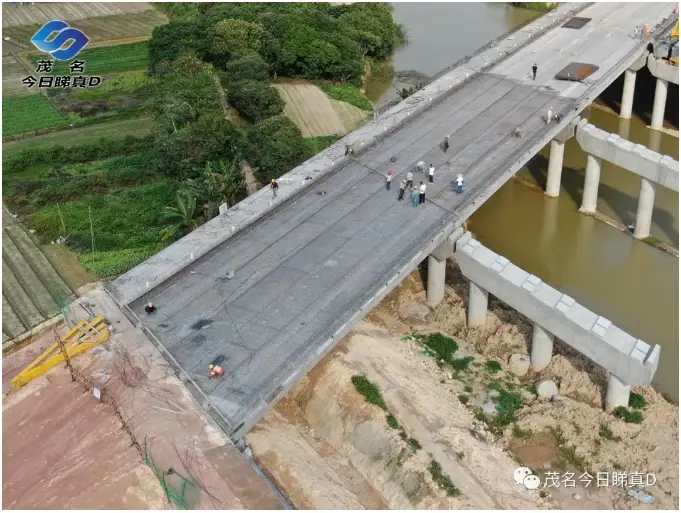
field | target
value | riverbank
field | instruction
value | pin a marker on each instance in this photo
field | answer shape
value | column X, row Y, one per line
column 328, row 448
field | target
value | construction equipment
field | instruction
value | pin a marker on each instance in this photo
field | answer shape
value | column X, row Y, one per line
column 673, row 54
column 81, row 338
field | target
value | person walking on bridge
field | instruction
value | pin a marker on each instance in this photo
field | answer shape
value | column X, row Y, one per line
column 388, row 179
column 403, row 185
column 431, row 173
column 414, row 197
column 534, row 71
column 422, row 193
column 274, row 186
column 459, row 183
column 410, row 180
column 445, row 145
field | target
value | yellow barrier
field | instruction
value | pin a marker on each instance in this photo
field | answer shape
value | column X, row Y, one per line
column 81, row 338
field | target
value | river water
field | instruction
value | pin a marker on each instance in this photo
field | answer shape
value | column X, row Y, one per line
column 608, row 271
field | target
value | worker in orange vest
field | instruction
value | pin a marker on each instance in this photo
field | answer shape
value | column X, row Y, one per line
column 215, row 370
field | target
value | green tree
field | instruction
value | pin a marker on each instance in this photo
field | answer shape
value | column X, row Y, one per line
column 186, row 65
column 255, row 100
column 276, row 147
column 219, row 182
column 210, row 138
column 246, row 65
column 183, row 217
column 231, row 36
column 174, row 39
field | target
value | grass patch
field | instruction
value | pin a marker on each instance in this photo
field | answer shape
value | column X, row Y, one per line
column 606, row 433
column 443, row 347
column 318, row 144
column 567, row 456
column 631, row 417
column 414, row 444
column 508, row 403
column 392, row 421
column 105, row 60
column 468, row 389
column 113, row 263
column 461, row 364
column 463, row 398
column 523, row 434
column 442, row 480
column 28, row 114
column 637, row 401
column 127, row 218
column 370, row 391
column 493, row 366
column 347, row 93
column 127, row 83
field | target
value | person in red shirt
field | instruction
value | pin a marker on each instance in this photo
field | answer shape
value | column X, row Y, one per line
column 215, row 370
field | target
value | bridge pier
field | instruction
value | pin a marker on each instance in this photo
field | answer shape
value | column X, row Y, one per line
column 659, row 104
column 436, row 280
column 644, row 211
column 542, row 348
column 555, row 168
column 592, row 178
column 477, row 306
column 617, row 393
column 627, row 102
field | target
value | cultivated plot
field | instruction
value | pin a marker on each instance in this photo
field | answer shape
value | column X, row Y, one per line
column 14, row 14
column 105, row 60
column 29, row 113
column 13, row 72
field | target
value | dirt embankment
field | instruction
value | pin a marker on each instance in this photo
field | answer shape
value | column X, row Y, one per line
column 330, row 449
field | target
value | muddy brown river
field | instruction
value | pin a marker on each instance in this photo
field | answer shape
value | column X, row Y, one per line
column 629, row 282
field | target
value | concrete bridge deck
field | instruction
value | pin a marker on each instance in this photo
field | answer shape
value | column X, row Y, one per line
column 314, row 265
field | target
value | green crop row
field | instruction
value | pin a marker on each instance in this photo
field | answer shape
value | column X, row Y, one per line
column 27, row 114
column 105, row 60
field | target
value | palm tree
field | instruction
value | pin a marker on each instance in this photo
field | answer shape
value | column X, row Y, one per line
column 218, row 183
column 183, row 216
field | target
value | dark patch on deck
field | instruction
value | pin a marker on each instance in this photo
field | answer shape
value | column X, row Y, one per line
column 576, row 23
column 576, row 72
column 201, row 323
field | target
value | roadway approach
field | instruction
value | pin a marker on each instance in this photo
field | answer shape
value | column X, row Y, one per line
column 278, row 294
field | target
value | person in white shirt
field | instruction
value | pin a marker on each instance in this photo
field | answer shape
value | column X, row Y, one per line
column 549, row 116
column 410, row 180
column 459, row 183
column 422, row 193
column 431, row 172
column 388, row 179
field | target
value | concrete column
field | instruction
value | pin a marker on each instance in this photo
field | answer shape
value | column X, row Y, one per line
column 436, row 280
column 654, row 140
column 617, row 393
column 555, row 168
column 591, row 180
column 624, row 128
column 644, row 213
column 542, row 348
column 659, row 104
column 477, row 306
column 628, row 93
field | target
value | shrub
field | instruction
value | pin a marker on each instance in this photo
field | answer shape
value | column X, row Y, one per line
column 246, row 65
column 442, row 480
column 632, row 417
column 463, row 398
column 414, row 444
column 370, row 391
column 461, row 364
column 392, row 421
column 637, row 401
column 443, row 346
column 606, row 433
column 275, row 147
column 255, row 100
column 493, row 366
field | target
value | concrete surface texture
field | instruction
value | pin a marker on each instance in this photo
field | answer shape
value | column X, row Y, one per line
column 327, row 252
column 633, row 361
column 633, row 157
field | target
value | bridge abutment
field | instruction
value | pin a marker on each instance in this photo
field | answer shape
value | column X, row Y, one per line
column 542, row 348
column 617, row 393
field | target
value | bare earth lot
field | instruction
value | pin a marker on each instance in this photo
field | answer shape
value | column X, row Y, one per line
column 316, row 114
column 82, row 458
column 41, row 12
column 329, row 449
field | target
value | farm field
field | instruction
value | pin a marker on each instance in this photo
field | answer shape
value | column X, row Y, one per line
column 316, row 114
column 32, row 290
column 12, row 74
column 15, row 15
column 105, row 60
column 29, row 113
column 138, row 127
